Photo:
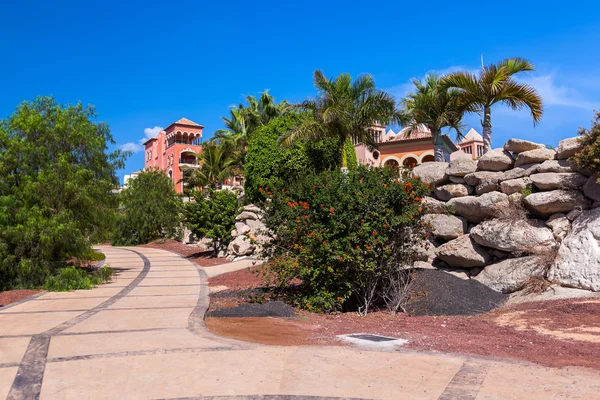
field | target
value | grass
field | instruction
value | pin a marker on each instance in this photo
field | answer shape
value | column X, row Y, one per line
column 73, row 278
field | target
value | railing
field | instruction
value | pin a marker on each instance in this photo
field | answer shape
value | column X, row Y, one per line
column 188, row 161
column 195, row 142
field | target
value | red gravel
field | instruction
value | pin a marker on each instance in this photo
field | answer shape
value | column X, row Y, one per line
column 11, row 296
column 554, row 333
column 203, row 258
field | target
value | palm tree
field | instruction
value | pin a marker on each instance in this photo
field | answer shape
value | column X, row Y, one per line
column 433, row 107
column 215, row 165
column 344, row 110
column 495, row 84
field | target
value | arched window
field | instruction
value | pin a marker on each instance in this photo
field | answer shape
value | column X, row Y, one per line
column 428, row 158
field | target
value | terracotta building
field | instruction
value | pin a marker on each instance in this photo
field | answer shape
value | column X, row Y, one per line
column 174, row 148
column 394, row 149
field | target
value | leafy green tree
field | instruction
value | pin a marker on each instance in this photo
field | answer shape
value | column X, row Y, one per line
column 213, row 215
column 433, row 107
column 215, row 165
column 150, row 210
column 269, row 165
column 55, row 191
column 495, row 84
column 343, row 110
column 589, row 156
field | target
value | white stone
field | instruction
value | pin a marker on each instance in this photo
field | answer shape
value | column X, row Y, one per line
column 446, row 227
column 463, row 252
column 240, row 246
column 592, row 188
column 434, row 206
column 456, row 179
column 244, row 215
column 520, row 145
column 476, row 209
column 555, row 166
column 431, row 172
column 461, row 167
column 520, row 236
column 520, row 172
column 568, row 147
column 555, row 201
column 476, row 177
column 449, row 191
column 535, row 156
column 495, row 160
column 560, row 225
column 514, row 185
column 558, row 180
column 510, row 275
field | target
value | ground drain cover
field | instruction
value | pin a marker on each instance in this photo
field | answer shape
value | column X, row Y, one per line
column 371, row 340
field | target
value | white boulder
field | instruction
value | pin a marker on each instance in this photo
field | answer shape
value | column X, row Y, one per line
column 431, row 172
column 461, row 167
column 518, row 236
column 558, row 180
column 446, row 227
column 510, row 275
column 463, row 252
column 451, row 190
column 476, row 209
column 535, row 156
column 568, row 148
column 495, row 160
column 555, row 201
column 520, row 145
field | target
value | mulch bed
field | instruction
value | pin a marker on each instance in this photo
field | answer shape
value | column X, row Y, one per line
column 11, row 296
column 483, row 334
column 269, row 309
column 202, row 257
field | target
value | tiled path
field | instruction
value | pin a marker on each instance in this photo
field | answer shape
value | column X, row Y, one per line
column 143, row 337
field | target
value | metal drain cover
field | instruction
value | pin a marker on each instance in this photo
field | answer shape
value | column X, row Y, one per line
column 373, row 341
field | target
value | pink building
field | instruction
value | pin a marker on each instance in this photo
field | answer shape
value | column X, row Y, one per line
column 174, row 148
column 471, row 146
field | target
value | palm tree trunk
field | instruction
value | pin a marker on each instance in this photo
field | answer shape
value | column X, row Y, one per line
column 438, row 147
column 344, row 156
column 487, row 129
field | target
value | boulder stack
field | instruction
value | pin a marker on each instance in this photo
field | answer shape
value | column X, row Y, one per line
column 249, row 234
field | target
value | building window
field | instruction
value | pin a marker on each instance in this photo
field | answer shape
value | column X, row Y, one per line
column 468, row 150
column 479, row 151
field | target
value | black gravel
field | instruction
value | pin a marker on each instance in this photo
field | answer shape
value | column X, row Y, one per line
column 269, row 309
column 439, row 293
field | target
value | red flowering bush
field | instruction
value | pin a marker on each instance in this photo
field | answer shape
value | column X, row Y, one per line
column 343, row 235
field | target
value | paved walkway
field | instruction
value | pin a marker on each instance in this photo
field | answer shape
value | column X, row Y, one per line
column 143, row 337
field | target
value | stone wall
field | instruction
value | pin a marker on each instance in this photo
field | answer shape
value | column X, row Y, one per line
column 519, row 211
column 248, row 235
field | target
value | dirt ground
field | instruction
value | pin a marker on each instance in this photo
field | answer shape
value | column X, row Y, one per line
column 553, row 333
column 11, row 296
column 202, row 257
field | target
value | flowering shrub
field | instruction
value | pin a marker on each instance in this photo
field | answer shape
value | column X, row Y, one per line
column 343, row 235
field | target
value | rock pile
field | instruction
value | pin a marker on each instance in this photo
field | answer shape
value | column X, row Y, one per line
column 249, row 234
column 519, row 211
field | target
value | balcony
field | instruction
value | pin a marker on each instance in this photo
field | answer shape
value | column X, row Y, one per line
column 194, row 142
column 188, row 162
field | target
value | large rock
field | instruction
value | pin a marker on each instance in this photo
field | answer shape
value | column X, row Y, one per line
column 244, row 215
column 514, row 185
column 495, row 160
column 510, row 275
column 555, row 166
column 560, row 225
column 240, row 246
column 461, row 167
column 446, row 227
column 558, row 180
column 434, row 206
column 578, row 261
column 520, row 145
column 476, row 209
column 568, row 148
column 463, row 252
column 520, row 172
column 486, row 186
column 476, row 177
column 592, row 188
column 241, row 229
column 252, row 208
column 447, row 192
column 518, row 236
column 535, row 156
column 456, row 179
column 555, row 201
column 432, row 172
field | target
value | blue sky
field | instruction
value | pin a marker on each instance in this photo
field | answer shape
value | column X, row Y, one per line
column 147, row 64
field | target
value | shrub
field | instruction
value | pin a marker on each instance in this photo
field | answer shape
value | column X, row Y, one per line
column 95, row 256
column 268, row 164
column 589, row 156
column 150, row 209
column 212, row 215
column 344, row 235
column 72, row 278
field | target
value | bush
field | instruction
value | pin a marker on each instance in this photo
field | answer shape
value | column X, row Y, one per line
column 150, row 209
column 55, row 191
column 212, row 215
column 589, row 156
column 72, row 278
column 344, row 236
column 269, row 165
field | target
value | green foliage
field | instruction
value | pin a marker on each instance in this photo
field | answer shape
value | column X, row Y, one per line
column 215, row 165
column 150, row 210
column 72, row 278
column 269, row 165
column 213, row 215
column 527, row 190
column 95, row 256
column 589, row 156
column 343, row 110
column 55, row 199
column 341, row 234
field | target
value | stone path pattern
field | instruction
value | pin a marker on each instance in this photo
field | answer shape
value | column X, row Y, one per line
column 143, row 337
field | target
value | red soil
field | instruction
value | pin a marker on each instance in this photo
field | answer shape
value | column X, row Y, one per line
column 11, row 296
column 553, row 333
column 203, row 258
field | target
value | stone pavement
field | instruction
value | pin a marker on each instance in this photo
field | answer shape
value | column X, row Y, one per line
column 143, row 337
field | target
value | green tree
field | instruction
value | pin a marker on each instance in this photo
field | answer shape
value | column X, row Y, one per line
column 55, row 191
column 495, row 84
column 589, row 156
column 150, row 210
column 433, row 107
column 212, row 215
column 215, row 165
column 269, row 165
column 343, row 110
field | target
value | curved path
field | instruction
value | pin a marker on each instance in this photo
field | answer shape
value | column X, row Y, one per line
column 143, row 337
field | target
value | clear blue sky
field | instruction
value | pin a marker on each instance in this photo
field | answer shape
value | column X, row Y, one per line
column 147, row 64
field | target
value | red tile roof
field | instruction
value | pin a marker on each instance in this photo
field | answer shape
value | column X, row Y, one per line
column 185, row 121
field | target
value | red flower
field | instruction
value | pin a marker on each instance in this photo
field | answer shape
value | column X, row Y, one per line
column 331, row 210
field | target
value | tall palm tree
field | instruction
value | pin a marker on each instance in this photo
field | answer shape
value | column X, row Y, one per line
column 433, row 107
column 343, row 109
column 215, row 165
column 495, row 84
